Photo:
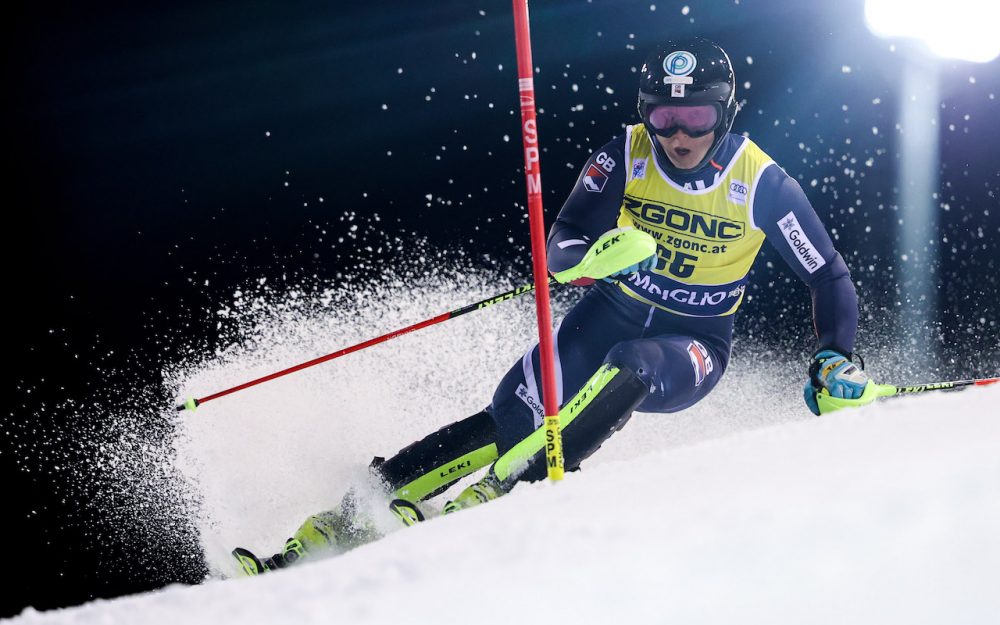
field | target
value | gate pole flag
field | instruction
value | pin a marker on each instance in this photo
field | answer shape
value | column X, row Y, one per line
column 536, row 220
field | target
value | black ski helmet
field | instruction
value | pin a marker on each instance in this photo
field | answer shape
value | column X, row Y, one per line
column 688, row 72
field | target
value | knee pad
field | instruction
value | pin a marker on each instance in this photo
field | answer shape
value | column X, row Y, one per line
column 678, row 370
column 636, row 357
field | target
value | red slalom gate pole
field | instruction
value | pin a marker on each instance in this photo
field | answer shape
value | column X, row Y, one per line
column 536, row 221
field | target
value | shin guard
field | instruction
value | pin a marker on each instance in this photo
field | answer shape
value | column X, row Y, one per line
column 428, row 466
column 602, row 406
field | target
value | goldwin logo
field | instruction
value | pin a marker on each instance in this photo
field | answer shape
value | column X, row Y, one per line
column 800, row 243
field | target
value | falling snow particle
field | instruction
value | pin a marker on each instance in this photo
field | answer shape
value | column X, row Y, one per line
column 267, row 133
column 685, row 10
column 749, row 60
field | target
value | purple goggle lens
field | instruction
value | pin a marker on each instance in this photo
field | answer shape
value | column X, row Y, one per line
column 696, row 121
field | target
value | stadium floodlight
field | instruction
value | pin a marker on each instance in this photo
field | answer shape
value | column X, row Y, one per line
column 962, row 30
column 958, row 29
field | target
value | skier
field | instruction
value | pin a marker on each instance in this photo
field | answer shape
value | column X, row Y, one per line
column 657, row 337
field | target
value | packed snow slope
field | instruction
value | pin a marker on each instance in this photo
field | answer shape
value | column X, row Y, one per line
column 889, row 514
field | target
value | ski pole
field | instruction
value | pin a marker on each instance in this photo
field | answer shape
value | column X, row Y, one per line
column 873, row 391
column 191, row 404
column 613, row 250
column 888, row 390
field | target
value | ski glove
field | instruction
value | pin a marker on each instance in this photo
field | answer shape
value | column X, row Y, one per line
column 835, row 373
column 645, row 265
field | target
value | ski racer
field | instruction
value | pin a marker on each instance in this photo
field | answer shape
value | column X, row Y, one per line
column 656, row 335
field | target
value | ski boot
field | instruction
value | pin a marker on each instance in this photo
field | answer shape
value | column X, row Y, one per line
column 336, row 531
column 324, row 534
column 486, row 489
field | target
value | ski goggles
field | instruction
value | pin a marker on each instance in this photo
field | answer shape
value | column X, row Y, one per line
column 696, row 121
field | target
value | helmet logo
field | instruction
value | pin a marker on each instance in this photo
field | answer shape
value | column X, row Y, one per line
column 680, row 63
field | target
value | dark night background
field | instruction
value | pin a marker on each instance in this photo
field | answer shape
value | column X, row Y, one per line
column 162, row 154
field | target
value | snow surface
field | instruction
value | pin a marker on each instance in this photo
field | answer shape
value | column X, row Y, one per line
column 888, row 514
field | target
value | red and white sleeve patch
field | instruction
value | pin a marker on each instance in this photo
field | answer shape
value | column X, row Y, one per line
column 701, row 361
column 595, row 179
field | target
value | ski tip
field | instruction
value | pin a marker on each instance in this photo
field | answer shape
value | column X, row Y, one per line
column 406, row 512
column 249, row 563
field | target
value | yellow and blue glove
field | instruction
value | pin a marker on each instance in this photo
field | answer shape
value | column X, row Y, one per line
column 835, row 375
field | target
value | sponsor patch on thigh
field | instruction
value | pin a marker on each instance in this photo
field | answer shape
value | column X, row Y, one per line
column 701, row 361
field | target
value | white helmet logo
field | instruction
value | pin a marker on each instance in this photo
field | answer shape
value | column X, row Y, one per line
column 680, row 63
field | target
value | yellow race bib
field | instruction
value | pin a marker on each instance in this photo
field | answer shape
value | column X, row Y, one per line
column 706, row 238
